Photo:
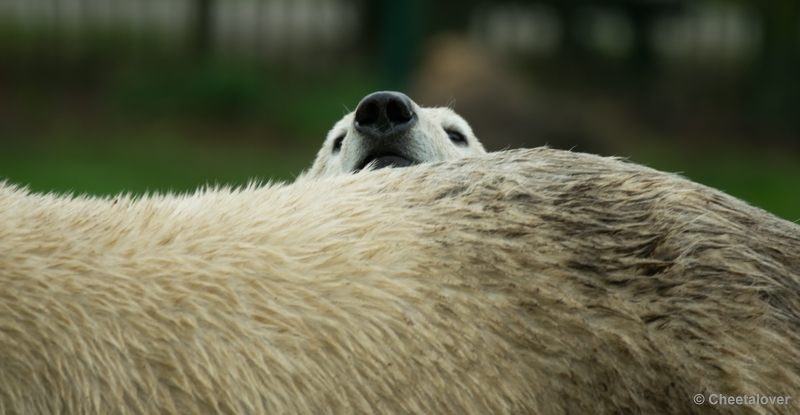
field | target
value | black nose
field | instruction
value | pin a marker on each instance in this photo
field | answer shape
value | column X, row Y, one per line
column 384, row 113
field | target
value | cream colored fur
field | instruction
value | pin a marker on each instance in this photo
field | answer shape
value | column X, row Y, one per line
column 521, row 282
column 426, row 142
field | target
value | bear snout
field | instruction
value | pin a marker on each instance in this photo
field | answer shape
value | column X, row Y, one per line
column 384, row 114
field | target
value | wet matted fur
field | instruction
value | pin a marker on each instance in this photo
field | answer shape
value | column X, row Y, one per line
column 529, row 281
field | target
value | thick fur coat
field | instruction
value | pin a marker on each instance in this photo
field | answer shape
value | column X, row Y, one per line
column 521, row 282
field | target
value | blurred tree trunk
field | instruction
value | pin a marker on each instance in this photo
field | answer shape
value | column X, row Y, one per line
column 202, row 30
column 778, row 84
column 401, row 37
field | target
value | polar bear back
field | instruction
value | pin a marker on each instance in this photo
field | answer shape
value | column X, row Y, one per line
column 531, row 281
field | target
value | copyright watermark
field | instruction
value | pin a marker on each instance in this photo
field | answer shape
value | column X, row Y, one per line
column 720, row 399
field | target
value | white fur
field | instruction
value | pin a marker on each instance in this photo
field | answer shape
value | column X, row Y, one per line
column 426, row 142
column 519, row 282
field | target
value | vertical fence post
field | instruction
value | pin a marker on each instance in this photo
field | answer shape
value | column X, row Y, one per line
column 202, row 27
column 400, row 40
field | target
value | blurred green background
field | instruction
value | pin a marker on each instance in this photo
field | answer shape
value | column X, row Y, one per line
column 109, row 96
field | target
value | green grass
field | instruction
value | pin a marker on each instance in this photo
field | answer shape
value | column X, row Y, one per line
column 143, row 163
column 175, row 127
column 306, row 106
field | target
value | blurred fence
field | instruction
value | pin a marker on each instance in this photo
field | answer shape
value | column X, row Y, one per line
column 279, row 29
column 673, row 31
column 306, row 30
column 757, row 42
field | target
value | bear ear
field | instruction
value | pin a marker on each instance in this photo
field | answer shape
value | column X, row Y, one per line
column 337, row 143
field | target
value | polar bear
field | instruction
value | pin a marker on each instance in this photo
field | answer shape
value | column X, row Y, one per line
column 518, row 282
column 388, row 129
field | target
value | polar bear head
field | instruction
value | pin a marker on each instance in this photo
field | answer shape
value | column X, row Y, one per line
column 388, row 129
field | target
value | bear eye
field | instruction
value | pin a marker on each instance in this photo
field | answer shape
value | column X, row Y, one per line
column 456, row 137
column 337, row 143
